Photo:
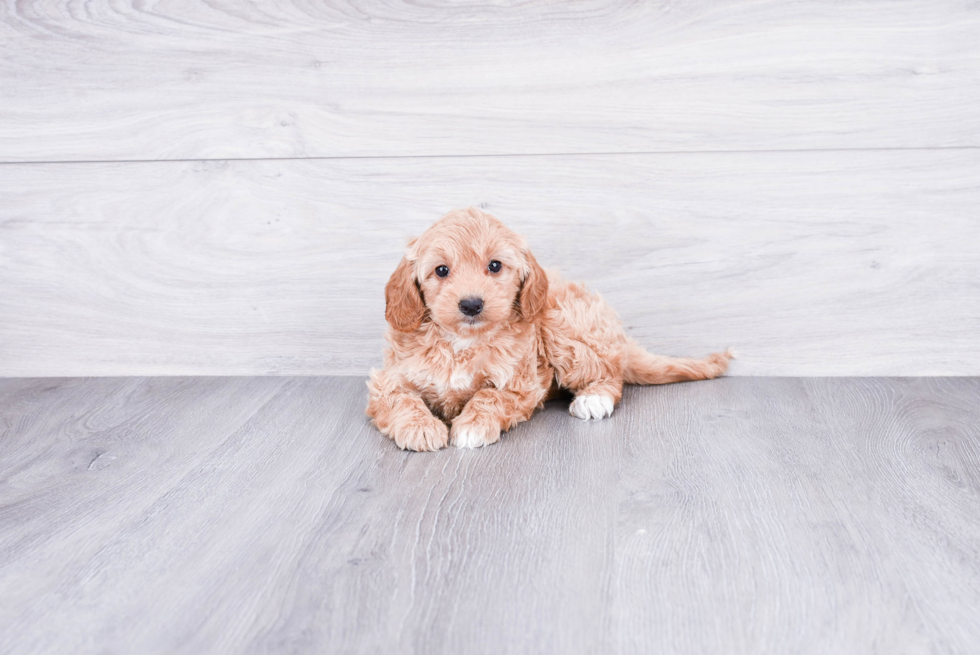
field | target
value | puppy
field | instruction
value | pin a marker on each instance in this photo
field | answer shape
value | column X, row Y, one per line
column 480, row 336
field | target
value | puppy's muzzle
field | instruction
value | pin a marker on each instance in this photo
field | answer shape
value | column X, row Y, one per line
column 471, row 306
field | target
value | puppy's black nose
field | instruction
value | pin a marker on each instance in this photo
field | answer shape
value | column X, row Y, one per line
column 471, row 306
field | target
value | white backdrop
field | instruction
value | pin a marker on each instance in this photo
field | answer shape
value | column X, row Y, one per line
column 226, row 191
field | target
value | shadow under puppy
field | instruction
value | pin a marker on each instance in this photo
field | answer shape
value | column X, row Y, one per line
column 480, row 336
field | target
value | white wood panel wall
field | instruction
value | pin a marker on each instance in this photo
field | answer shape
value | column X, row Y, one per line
column 798, row 180
column 224, row 79
column 807, row 263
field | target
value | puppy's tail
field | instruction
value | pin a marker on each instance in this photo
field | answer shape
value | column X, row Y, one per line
column 646, row 368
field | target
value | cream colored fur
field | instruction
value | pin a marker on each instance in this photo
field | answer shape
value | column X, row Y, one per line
column 451, row 378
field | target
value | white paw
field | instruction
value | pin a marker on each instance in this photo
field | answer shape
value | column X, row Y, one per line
column 473, row 435
column 591, row 406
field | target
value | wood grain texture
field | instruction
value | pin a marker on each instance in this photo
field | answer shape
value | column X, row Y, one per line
column 860, row 263
column 263, row 515
column 176, row 80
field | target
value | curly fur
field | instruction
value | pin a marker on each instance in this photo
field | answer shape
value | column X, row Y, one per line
column 452, row 378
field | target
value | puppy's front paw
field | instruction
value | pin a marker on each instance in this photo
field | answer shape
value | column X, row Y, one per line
column 589, row 406
column 422, row 435
column 472, row 431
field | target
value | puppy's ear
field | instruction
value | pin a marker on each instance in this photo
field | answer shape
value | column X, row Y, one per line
column 533, row 295
column 404, row 308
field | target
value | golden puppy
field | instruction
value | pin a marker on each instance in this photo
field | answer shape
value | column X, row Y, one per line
column 480, row 336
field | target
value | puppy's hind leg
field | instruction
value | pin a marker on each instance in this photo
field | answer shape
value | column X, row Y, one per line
column 593, row 403
column 596, row 385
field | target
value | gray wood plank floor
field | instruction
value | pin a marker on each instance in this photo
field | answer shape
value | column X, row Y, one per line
column 264, row 515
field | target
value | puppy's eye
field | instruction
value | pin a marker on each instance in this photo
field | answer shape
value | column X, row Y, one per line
column 494, row 266
column 442, row 271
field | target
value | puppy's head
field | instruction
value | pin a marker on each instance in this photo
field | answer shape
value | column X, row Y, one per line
column 468, row 272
